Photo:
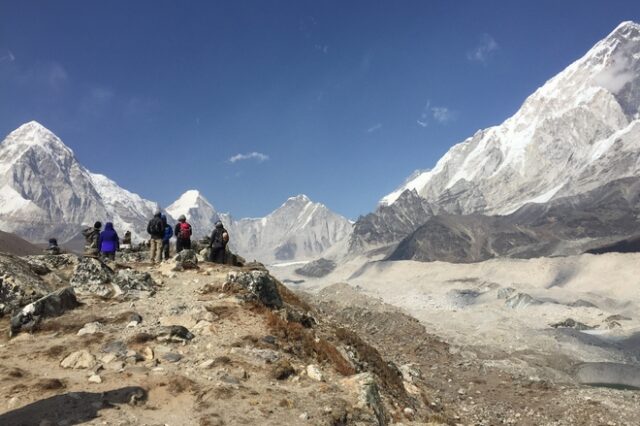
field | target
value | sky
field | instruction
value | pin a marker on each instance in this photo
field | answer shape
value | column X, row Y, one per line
column 255, row 101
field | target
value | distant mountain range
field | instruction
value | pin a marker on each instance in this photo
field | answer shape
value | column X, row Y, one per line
column 45, row 192
column 570, row 155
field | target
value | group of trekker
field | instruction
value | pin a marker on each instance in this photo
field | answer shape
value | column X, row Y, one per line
column 105, row 243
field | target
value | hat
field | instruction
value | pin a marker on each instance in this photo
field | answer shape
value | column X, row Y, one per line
column 182, row 217
column 218, row 224
column 97, row 225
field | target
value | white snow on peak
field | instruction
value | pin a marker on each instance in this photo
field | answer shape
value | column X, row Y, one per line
column 191, row 199
column 559, row 130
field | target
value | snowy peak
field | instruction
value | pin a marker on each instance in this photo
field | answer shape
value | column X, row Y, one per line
column 197, row 209
column 544, row 150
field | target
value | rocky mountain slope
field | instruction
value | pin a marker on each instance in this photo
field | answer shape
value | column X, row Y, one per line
column 222, row 345
column 564, row 226
column 298, row 230
column 45, row 192
column 10, row 243
column 578, row 132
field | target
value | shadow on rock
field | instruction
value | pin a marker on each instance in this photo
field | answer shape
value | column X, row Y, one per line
column 72, row 408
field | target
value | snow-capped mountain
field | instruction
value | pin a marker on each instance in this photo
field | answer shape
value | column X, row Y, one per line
column 579, row 131
column 298, row 230
column 199, row 212
column 45, row 192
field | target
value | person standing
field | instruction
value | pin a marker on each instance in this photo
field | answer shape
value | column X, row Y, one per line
column 155, row 228
column 218, row 244
column 109, row 242
column 166, row 237
column 183, row 234
column 91, row 236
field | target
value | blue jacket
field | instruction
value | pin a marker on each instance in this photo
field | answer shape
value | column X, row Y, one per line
column 168, row 233
column 108, row 241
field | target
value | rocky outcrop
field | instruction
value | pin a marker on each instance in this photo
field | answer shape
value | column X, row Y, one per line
column 317, row 269
column 186, row 259
column 19, row 284
column 260, row 284
column 51, row 305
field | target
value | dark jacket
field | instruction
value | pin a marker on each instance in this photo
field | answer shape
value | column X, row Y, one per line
column 108, row 240
column 177, row 232
column 217, row 239
column 168, row 233
column 156, row 223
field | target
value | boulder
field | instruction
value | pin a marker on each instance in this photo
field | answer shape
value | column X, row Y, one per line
column 521, row 300
column 259, row 283
column 92, row 276
column 52, row 262
column 51, row 305
column 79, row 360
column 19, row 284
column 186, row 259
column 571, row 323
column 317, row 269
column 174, row 333
column 135, row 284
column 365, row 387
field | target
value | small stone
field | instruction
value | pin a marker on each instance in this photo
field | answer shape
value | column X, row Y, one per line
column 207, row 364
column 304, row 416
column 409, row 412
column 172, row 357
column 90, row 328
column 94, row 378
column 147, row 353
column 314, row 372
column 133, row 324
column 80, row 359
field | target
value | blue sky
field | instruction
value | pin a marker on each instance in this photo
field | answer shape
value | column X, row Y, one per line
column 255, row 101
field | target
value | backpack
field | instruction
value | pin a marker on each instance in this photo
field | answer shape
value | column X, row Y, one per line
column 185, row 231
column 156, row 227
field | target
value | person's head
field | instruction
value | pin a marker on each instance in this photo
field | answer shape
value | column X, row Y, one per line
column 164, row 218
column 108, row 226
column 157, row 213
column 182, row 218
column 97, row 225
column 219, row 224
column 53, row 242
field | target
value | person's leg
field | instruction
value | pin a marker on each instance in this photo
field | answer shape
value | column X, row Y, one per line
column 178, row 245
column 152, row 251
column 159, row 245
column 187, row 244
column 165, row 250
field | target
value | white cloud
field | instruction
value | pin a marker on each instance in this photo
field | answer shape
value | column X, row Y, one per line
column 484, row 50
column 259, row 157
column 441, row 114
column 374, row 128
column 9, row 57
column 57, row 76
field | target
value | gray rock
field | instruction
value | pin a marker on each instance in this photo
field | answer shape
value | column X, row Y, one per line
column 317, row 269
column 135, row 284
column 172, row 357
column 51, row 305
column 571, row 323
column 174, row 333
column 52, row 262
column 186, row 259
column 92, row 276
column 504, row 293
column 19, row 284
column 116, row 347
column 262, row 285
column 521, row 300
column 609, row 374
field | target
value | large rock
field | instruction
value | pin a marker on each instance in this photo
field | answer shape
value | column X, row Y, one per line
column 52, row 262
column 92, row 276
column 365, row 387
column 19, row 284
column 51, row 305
column 135, row 284
column 317, row 269
column 186, row 259
column 262, row 285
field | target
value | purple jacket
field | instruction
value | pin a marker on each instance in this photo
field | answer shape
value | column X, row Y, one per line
column 108, row 240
